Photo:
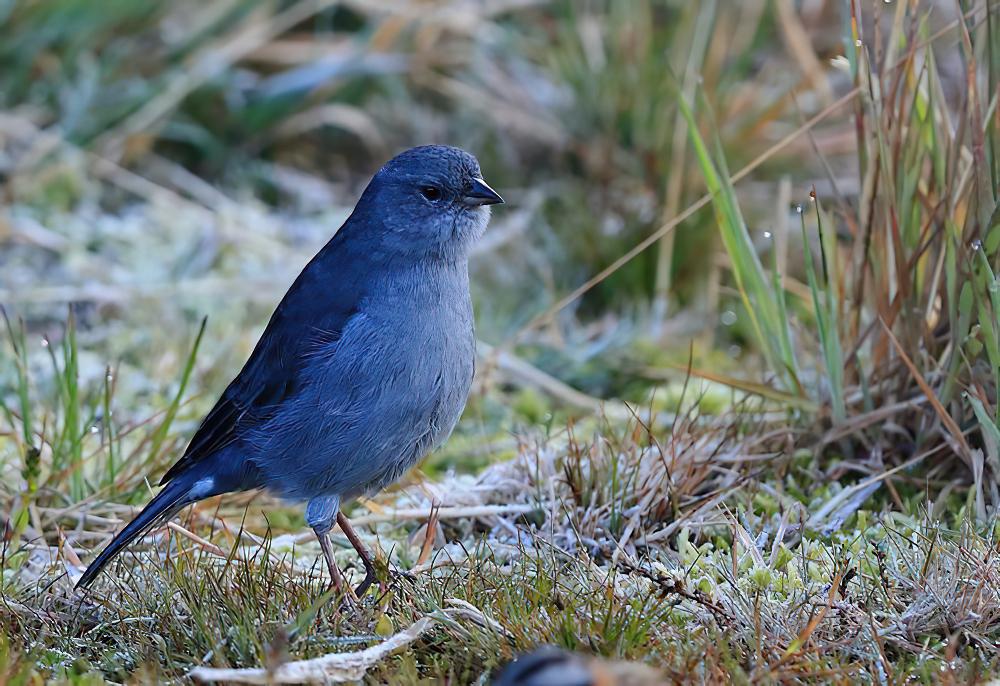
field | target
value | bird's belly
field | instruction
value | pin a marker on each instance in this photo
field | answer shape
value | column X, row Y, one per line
column 363, row 422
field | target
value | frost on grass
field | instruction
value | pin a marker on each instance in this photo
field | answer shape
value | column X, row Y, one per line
column 599, row 538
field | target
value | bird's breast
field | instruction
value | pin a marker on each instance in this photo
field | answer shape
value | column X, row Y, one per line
column 413, row 342
column 382, row 395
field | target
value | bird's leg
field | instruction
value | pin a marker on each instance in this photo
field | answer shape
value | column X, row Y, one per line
column 320, row 514
column 364, row 553
column 337, row 579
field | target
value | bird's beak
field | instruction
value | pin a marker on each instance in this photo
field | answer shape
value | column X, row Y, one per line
column 479, row 193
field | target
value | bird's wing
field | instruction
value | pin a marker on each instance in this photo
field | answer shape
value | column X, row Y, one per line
column 312, row 315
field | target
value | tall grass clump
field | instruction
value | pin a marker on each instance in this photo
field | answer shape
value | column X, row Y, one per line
column 902, row 317
column 63, row 438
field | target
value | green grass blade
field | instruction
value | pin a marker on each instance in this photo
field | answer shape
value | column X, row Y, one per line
column 161, row 432
column 826, row 321
column 72, row 434
column 756, row 290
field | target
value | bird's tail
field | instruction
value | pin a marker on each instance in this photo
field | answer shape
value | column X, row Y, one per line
column 181, row 491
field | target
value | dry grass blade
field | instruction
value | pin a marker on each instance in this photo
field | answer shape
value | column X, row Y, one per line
column 800, row 641
column 956, row 433
column 760, row 389
column 430, row 532
column 800, row 46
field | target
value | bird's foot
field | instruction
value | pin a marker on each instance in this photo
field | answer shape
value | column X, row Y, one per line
column 370, row 578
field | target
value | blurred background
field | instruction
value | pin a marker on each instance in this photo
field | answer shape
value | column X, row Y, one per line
column 834, row 306
column 162, row 162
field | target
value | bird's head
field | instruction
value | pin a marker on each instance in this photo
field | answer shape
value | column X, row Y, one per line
column 428, row 201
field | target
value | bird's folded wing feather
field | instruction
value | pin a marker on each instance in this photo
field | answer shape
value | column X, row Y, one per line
column 312, row 315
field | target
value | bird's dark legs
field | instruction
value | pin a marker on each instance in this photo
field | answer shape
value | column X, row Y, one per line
column 363, row 553
column 321, row 512
column 320, row 515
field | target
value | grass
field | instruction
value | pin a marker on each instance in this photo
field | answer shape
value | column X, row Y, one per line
column 765, row 451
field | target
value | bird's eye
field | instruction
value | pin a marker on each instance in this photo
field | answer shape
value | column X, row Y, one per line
column 432, row 193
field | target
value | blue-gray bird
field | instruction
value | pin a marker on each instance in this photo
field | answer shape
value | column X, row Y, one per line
column 364, row 367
